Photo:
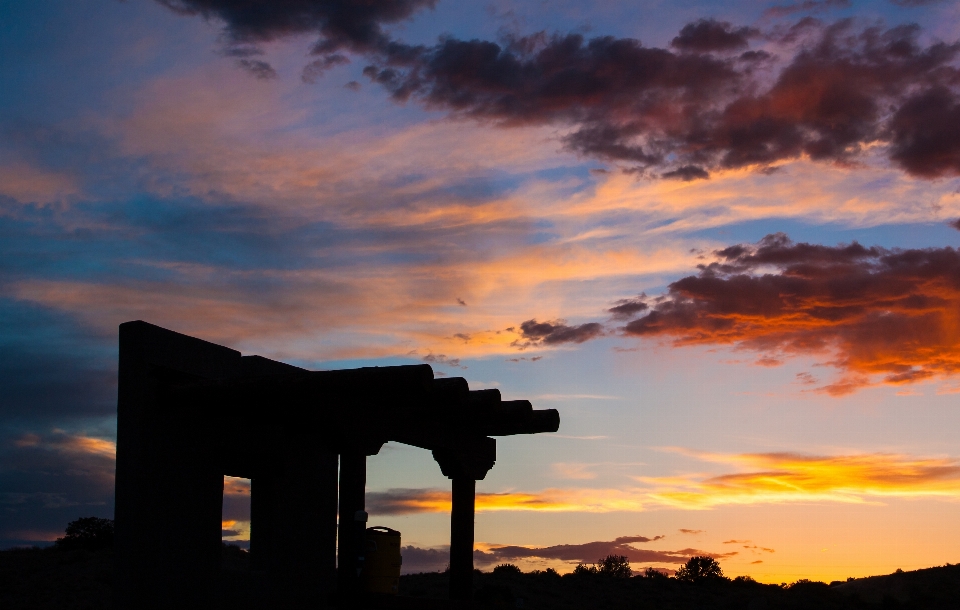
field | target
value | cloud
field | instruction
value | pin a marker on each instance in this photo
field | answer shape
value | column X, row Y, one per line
column 807, row 6
column 687, row 531
column 687, row 173
column 417, row 560
column 691, row 111
column 699, row 106
column 625, row 309
column 574, row 471
column 708, row 35
column 62, row 442
column 795, row 477
column 49, row 479
column 882, row 312
column 412, row 501
column 592, row 551
column 354, row 25
column 556, row 332
column 442, row 359
column 914, row 3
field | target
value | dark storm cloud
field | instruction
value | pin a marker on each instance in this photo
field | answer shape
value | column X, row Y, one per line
column 350, row 24
column 887, row 312
column 557, row 332
column 355, row 25
column 708, row 35
column 699, row 106
column 925, row 134
column 691, row 111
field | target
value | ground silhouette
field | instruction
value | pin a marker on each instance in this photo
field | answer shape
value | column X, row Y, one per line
column 75, row 577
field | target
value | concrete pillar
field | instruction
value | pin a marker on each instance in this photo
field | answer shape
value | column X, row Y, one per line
column 293, row 521
column 169, row 489
column 461, row 537
column 353, row 521
column 464, row 465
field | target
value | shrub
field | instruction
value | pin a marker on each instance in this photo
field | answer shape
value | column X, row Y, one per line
column 507, row 568
column 90, row 533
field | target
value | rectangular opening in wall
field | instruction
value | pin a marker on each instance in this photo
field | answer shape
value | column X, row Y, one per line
column 235, row 518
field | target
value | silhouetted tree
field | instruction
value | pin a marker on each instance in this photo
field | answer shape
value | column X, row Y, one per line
column 617, row 566
column 654, row 573
column 90, row 533
column 507, row 568
column 700, row 569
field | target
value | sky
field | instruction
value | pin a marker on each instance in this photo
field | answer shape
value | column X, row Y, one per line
column 719, row 237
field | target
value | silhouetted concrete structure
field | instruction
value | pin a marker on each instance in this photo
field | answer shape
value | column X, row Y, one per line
column 190, row 412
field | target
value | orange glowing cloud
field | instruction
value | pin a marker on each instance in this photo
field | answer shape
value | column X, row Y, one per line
column 762, row 478
column 793, row 477
column 878, row 312
column 405, row 501
column 63, row 442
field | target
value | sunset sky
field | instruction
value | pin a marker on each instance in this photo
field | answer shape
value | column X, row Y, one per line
column 719, row 237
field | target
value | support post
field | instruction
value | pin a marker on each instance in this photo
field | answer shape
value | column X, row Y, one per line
column 465, row 464
column 169, row 490
column 353, row 521
column 461, row 537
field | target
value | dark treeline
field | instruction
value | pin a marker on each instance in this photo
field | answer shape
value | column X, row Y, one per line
column 77, row 573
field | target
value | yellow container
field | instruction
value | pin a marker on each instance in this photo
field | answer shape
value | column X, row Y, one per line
column 381, row 562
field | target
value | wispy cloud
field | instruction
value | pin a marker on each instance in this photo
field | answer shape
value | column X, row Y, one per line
column 792, row 477
column 407, row 501
column 62, row 442
column 760, row 478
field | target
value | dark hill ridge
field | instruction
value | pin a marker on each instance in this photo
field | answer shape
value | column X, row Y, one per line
column 926, row 586
column 58, row 579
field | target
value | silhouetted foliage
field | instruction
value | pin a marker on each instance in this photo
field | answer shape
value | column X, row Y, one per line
column 805, row 584
column 700, row 569
column 89, row 533
column 617, row 566
column 655, row 573
column 507, row 568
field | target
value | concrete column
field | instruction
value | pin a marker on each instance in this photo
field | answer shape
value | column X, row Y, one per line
column 461, row 537
column 263, row 519
column 353, row 521
column 169, row 490
column 293, row 516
